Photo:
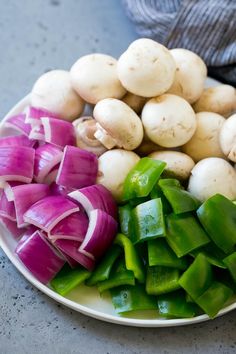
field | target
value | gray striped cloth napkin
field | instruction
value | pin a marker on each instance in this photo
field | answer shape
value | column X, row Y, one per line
column 207, row 27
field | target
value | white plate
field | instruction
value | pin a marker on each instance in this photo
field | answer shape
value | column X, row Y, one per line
column 85, row 299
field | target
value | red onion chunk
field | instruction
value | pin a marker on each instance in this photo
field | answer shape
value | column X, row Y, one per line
column 7, row 209
column 40, row 257
column 46, row 158
column 35, row 113
column 11, row 227
column 49, row 211
column 26, row 195
column 16, row 163
column 74, row 227
column 70, row 248
column 58, row 132
column 52, row 175
column 27, row 233
column 8, row 189
column 78, row 168
column 37, row 133
column 101, row 232
column 16, row 140
column 17, row 123
column 95, row 197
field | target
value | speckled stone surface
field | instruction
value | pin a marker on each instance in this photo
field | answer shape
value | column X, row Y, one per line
column 35, row 36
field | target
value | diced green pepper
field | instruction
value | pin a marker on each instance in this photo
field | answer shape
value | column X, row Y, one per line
column 148, row 221
column 137, row 201
column 132, row 298
column 67, row 279
column 132, row 260
column 142, row 178
column 174, row 305
column 160, row 253
column 161, row 280
column 180, row 200
column 121, row 278
column 169, row 182
column 124, row 219
column 157, row 193
column 218, row 217
column 214, row 298
column 197, row 278
column 230, row 263
column 210, row 256
column 184, row 234
column 103, row 269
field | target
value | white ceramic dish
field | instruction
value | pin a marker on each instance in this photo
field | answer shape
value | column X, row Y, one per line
column 87, row 300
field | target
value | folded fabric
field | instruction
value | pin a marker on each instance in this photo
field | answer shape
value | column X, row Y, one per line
column 208, row 28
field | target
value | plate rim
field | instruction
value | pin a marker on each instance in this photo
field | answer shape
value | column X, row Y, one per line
column 19, row 106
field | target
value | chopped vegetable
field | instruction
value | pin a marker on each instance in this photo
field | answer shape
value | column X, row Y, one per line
column 11, row 227
column 17, row 140
column 125, row 217
column 161, row 280
column 58, row 132
column 7, row 208
column 35, row 113
column 230, row 263
column 18, row 124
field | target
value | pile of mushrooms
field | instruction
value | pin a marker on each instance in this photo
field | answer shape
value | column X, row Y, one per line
column 150, row 102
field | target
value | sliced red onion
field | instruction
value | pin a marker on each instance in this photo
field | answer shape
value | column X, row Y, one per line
column 47, row 157
column 7, row 209
column 70, row 248
column 95, row 197
column 100, row 234
column 16, row 140
column 40, row 257
column 52, row 175
column 11, row 227
column 17, row 123
column 58, row 132
column 73, row 227
column 49, row 211
column 37, row 133
column 78, row 168
column 25, row 196
column 27, row 233
column 34, row 114
column 59, row 190
column 8, row 189
column 16, row 163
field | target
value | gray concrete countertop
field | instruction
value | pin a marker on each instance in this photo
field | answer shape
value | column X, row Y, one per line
column 35, row 36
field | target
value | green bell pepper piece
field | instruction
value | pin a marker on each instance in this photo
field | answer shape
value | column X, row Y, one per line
column 136, row 201
column 218, row 217
column 67, row 279
column 160, row 253
column 212, row 253
column 132, row 260
column 157, row 193
column 124, row 219
column 103, row 269
column 142, row 178
column 132, row 298
column 230, row 263
column 197, row 278
column 169, row 182
column 148, row 221
column 184, row 234
column 174, row 305
column 125, row 277
column 214, row 298
column 161, row 280
column 180, row 200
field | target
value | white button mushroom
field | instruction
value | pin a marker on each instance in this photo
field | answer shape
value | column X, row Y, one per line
column 228, row 138
column 190, row 75
column 146, row 68
column 205, row 141
column 53, row 92
column 117, row 124
column 135, row 102
column 179, row 165
column 113, row 167
column 210, row 176
column 168, row 120
column 85, row 127
column 94, row 77
column 220, row 99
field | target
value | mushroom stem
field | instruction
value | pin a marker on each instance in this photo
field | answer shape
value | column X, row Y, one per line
column 104, row 138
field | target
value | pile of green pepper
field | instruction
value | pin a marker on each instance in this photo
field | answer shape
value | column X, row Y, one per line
column 172, row 254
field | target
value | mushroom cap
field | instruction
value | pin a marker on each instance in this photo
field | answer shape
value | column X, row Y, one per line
column 113, row 167
column 220, row 99
column 120, row 122
column 94, row 77
column 53, row 91
column 205, row 142
column 190, row 75
column 179, row 165
column 168, row 120
column 85, row 128
column 210, row 176
column 146, row 68
column 135, row 102
column 228, row 138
